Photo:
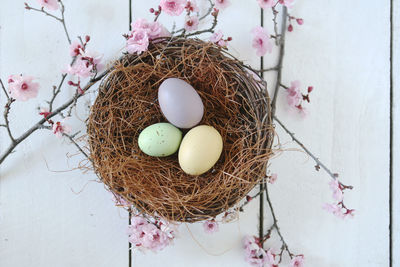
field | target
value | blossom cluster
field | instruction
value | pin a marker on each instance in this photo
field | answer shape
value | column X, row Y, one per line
column 86, row 62
column 338, row 208
column 153, row 236
column 256, row 255
column 296, row 99
column 143, row 32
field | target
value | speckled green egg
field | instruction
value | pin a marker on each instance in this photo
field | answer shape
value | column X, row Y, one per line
column 160, row 139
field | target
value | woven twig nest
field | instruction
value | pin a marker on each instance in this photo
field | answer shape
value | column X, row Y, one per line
column 235, row 103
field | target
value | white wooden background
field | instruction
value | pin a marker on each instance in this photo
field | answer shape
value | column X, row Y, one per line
column 50, row 216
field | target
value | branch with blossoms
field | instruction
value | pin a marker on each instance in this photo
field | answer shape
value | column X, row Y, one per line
column 86, row 69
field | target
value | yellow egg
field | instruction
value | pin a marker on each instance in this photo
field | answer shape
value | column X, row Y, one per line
column 200, row 150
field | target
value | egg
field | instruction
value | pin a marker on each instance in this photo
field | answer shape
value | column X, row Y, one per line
column 160, row 139
column 180, row 103
column 200, row 149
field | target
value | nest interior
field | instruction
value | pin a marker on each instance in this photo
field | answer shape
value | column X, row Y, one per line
column 235, row 103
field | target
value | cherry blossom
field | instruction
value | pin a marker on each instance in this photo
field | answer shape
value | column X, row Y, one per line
column 22, row 87
column 336, row 189
column 94, row 58
column 147, row 235
column 261, row 41
column 191, row 23
column 173, row 7
column 272, row 179
column 297, row 261
column 266, row 3
column 221, row 4
column 210, row 226
column 217, row 36
column 191, row 6
column 75, row 48
column 142, row 33
column 294, row 96
column 254, row 253
column 49, row 4
column 138, row 43
column 288, row 3
column 44, row 112
column 80, row 68
column 60, row 127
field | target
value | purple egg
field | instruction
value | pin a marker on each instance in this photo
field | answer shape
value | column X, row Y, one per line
column 180, row 103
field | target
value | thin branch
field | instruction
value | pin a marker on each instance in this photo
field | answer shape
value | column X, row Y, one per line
column 317, row 161
column 275, row 226
column 7, row 108
column 61, row 20
column 4, row 89
column 40, row 123
column 269, row 69
column 280, row 61
column 72, row 139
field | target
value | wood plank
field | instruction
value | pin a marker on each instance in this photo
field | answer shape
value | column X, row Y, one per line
column 193, row 247
column 396, row 135
column 347, row 127
column 52, row 218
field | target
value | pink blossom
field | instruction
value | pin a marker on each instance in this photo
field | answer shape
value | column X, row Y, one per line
column 80, row 68
column 210, row 226
column 94, row 58
column 11, row 78
column 192, row 6
column 294, row 96
column 22, row 87
column 266, row 3
column 217, row 36
column 191, row 23
column 138, row 43
column 75, row 48
column 60, row 127
column 44, row 112
column 49, row 4
column 272, row 179
column 153, row 29
column 173, row 7
column 143, row 32
column 261, row 41
column 337, row 191
column 335, row 209
column 288, row 3
column 221, row 4
column 297, row 261
column 254, row 253
column 145, row 234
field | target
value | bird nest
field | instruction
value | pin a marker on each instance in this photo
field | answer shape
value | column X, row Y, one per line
column 236, row 103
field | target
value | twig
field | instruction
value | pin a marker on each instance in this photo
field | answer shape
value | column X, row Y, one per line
column 275, row 226
column 269, row 69
column 317, row 161
column 72, row 139
column 61, row 20
column 280, row 61
column 56, row 91
column 7, row 108
column 4, row 89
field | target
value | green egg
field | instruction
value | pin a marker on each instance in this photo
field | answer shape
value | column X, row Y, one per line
column 160, row 139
